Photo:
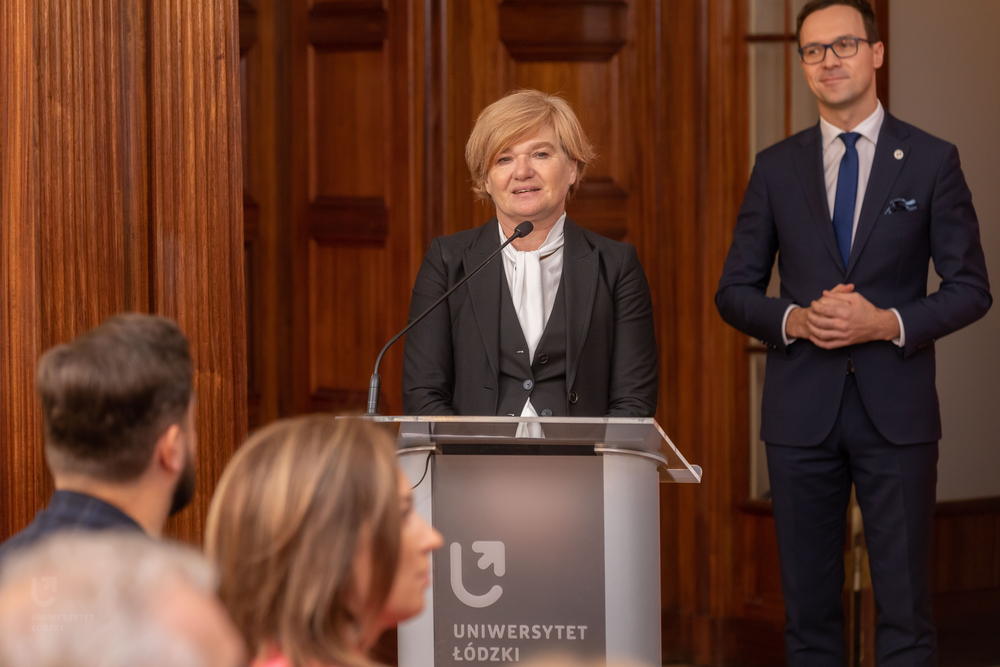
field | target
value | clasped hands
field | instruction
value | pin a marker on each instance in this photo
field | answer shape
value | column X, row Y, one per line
column 841, row 317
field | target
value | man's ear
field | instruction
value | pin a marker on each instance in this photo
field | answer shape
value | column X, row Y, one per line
column 878, row 51
column 170, row 451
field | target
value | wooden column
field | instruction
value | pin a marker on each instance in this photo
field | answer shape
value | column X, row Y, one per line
column 121, row 192
column 196, row 218
column 703, row 148
column 22, row 480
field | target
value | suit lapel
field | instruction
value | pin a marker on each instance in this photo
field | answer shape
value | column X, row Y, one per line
column 809, row 166
column 885, row 170
column 484, row 290
column 579, row 279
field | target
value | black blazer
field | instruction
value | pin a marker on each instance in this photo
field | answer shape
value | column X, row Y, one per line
column 785, row 211
column 451, row 359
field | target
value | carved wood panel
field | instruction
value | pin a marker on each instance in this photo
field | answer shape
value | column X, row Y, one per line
column 352, row 174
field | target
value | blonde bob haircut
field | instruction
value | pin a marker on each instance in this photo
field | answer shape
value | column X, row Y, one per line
column 299, row 500
column 516, row 117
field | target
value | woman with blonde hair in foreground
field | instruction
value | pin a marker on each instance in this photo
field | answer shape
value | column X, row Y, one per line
column 319, row 549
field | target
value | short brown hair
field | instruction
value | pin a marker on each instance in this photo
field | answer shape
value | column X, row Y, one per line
column 863, row 6
column 285, row 524
column 108, row 395
column 515, row 117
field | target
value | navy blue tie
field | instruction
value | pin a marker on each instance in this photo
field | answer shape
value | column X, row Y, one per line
column 847, row 195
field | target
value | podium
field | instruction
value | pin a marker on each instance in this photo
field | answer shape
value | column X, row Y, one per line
column 552, row 536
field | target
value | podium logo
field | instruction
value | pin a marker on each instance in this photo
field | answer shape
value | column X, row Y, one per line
column 492, row 554
column 48, row 587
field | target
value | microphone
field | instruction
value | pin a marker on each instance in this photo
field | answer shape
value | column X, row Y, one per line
column 375, row 386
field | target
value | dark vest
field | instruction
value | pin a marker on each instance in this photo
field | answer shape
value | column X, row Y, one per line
column 544, row 381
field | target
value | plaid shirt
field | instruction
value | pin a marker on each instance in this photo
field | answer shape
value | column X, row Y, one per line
column 69, row 510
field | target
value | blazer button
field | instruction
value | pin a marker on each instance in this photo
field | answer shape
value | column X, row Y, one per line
column 546, row 412
column 528, row 384
column 573, row 397
column 543, row 358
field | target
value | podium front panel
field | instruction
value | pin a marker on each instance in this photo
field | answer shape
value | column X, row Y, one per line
column 551, row 543
column 522, row 570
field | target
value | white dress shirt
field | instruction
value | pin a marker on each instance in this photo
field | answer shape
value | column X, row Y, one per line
column 524, row 287
column 833, row 152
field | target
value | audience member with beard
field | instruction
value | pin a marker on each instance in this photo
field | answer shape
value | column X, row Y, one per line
column 118, row 410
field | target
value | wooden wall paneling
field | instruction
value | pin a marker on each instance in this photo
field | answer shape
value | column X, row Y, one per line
column 677, row 105
column 23, row 484
column 196, row 223
column 704, row 129
column 83, row 237
column 404, row 181
column 120, row 192
column 966, row 581
column 299, row 198
column 472, row 65
column 264, row 87
column 353, row 188
column 93, row 232
column 682, row 106
column 431, row 33
column 556, row 31
column 881, row 8
column 251, row 61
column 724, row 422
column 347, row 211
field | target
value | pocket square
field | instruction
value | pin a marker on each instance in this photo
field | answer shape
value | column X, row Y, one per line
column 898, row 205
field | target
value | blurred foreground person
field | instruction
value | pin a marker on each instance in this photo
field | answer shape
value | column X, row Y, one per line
column 319, row 549
column 118, row 411
column 112, row 600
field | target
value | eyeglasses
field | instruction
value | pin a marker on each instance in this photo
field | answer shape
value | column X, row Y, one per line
column 845, row 47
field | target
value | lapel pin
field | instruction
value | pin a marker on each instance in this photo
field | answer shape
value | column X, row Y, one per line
column 898, row 154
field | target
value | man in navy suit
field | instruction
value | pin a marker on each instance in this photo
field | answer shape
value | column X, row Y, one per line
column 855, row 209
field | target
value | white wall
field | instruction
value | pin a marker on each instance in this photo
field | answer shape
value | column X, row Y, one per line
column 944, row 77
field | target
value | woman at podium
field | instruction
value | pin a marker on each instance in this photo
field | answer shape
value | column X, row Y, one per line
column 561, row 322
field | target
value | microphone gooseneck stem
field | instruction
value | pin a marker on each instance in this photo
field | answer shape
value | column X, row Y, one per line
column 375, row 385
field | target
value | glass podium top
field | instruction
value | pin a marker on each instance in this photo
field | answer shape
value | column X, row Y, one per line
column 551, row 435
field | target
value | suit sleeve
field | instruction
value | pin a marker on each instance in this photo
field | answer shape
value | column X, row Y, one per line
column 428, row 358
column 634, row 372
column 741, row 298
column 964, row 295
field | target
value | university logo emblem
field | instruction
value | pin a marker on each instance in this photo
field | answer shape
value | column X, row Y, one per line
column 492, row 553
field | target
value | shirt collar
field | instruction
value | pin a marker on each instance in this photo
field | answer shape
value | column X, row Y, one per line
column 552, row 242
column 868, row 128
column 74, row 503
